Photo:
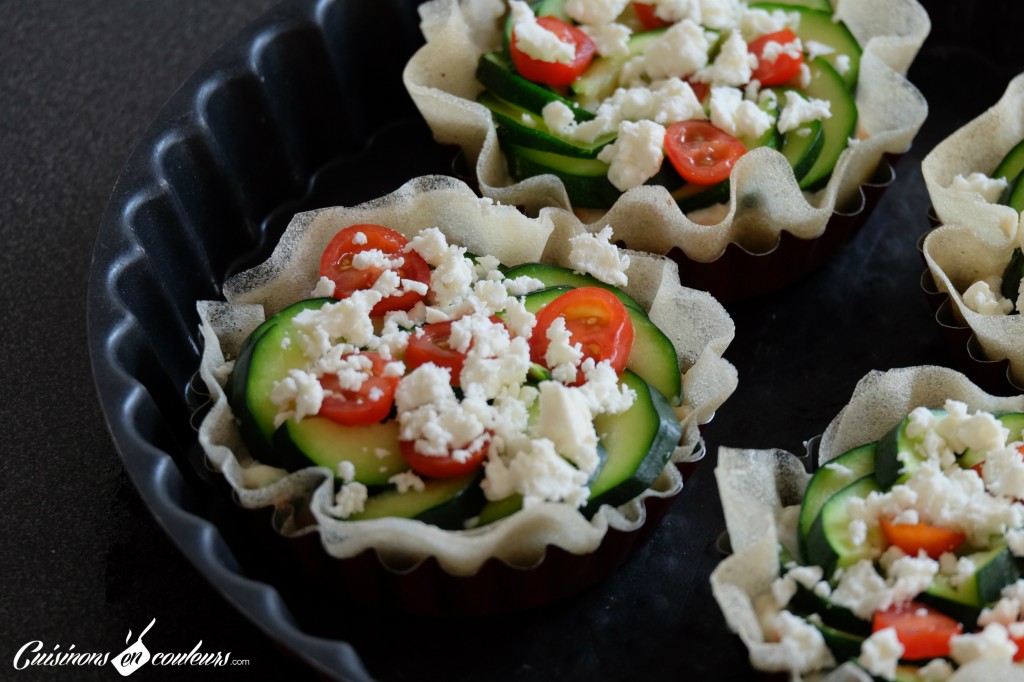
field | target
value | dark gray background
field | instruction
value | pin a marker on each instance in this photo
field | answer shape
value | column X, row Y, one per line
column 81, row 560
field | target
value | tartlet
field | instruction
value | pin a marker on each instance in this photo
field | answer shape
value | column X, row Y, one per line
column 765, row 201
column 403, row 549
column 975, row 240
column 762, row 491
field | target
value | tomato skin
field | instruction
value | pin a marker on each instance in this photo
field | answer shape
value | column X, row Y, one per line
column 923, row 632
column 595, row 319
column 430, row 344
column 357, row 408
column 441, row 466
column 784, row 68
column 555, row 74
column 336, row 265
column 700, row 152
column 646, row 15
column 912, row 538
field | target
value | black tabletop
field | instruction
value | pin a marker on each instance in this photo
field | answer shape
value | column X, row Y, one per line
column 83, row 563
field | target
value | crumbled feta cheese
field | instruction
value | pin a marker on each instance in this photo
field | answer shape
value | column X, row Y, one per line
column 880, row 653
column 984, row 297
column 346, row 471
column 990, row 189
column 773, row 49
column 842, row 64
column 680, row 52
column 297, row 396
column 993, row 643
column 858, row 531
column 910, row 576
column 805, row 646
column 359, row 238
column 594, row 254
column 324, row 288
column 350, row 499
column 611, row 40
column 636, row 155
column 733, row 66
column 720, row 15
column 564, row 418
column 862, row 590
column 595, row 12
column 406, row 481
column 935, row 670
column 677, row 10
column 431, row 245
column 799, row 110
column 536, row 41
column 538, row 473
column 562, row 356
column 735, row 115
column 816, row 49
column 758, row 22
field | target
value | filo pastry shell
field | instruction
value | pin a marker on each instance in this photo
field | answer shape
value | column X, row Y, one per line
column 977, row 238
column 761, row 489
column 765, row 199
column 697, row 324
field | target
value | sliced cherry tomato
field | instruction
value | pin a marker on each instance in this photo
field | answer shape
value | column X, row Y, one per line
column 336, row 264
column 783, row 68
column 555, row 73
column 700, row 152
column 444, row 466
column 913, row 537
column 595, row 319
column 645, row 13
column 700, row 90
column 923, row 632
column 368, row 405
column 430, row 344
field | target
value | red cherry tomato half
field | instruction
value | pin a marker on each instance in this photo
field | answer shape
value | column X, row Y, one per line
column 645, row 13
column 923, row 632
column 368, row 405
column 555, row 73
column 595, row 319
column 700, row 152
column 430, row 344
column 913, row 537
column 336, row 264
column 444, row 466
column 785, row 66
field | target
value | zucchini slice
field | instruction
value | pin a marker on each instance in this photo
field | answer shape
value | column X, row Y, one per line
column 653, row 356
column 557, row 276
column 443, row 502
column 837, row 130
column 896, row 455
column 831, row 478
column 829, row 543
column 521, row 127
column 496, row 73
column 586, row 180
column 1014, row 421
column 994, row 569
column 1012, row 276
column 821, row 26
column 1012, row 164
column 261, row 363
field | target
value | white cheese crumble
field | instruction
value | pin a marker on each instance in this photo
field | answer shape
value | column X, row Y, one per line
column 990, row 189
column 350, row 499
column 984, row 297
column 636, row 155
column 611, row 40
column 993, row 643
column 799, row 110
column 805, row 646
column 594, row 254
column 680, row 52
column 595, row 12
column 880, row 653
column 733, row 66
column 736, row 115
column 406, row 481
column 536, row 41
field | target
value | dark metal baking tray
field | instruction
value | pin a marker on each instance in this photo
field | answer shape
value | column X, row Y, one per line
column 305, row 108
